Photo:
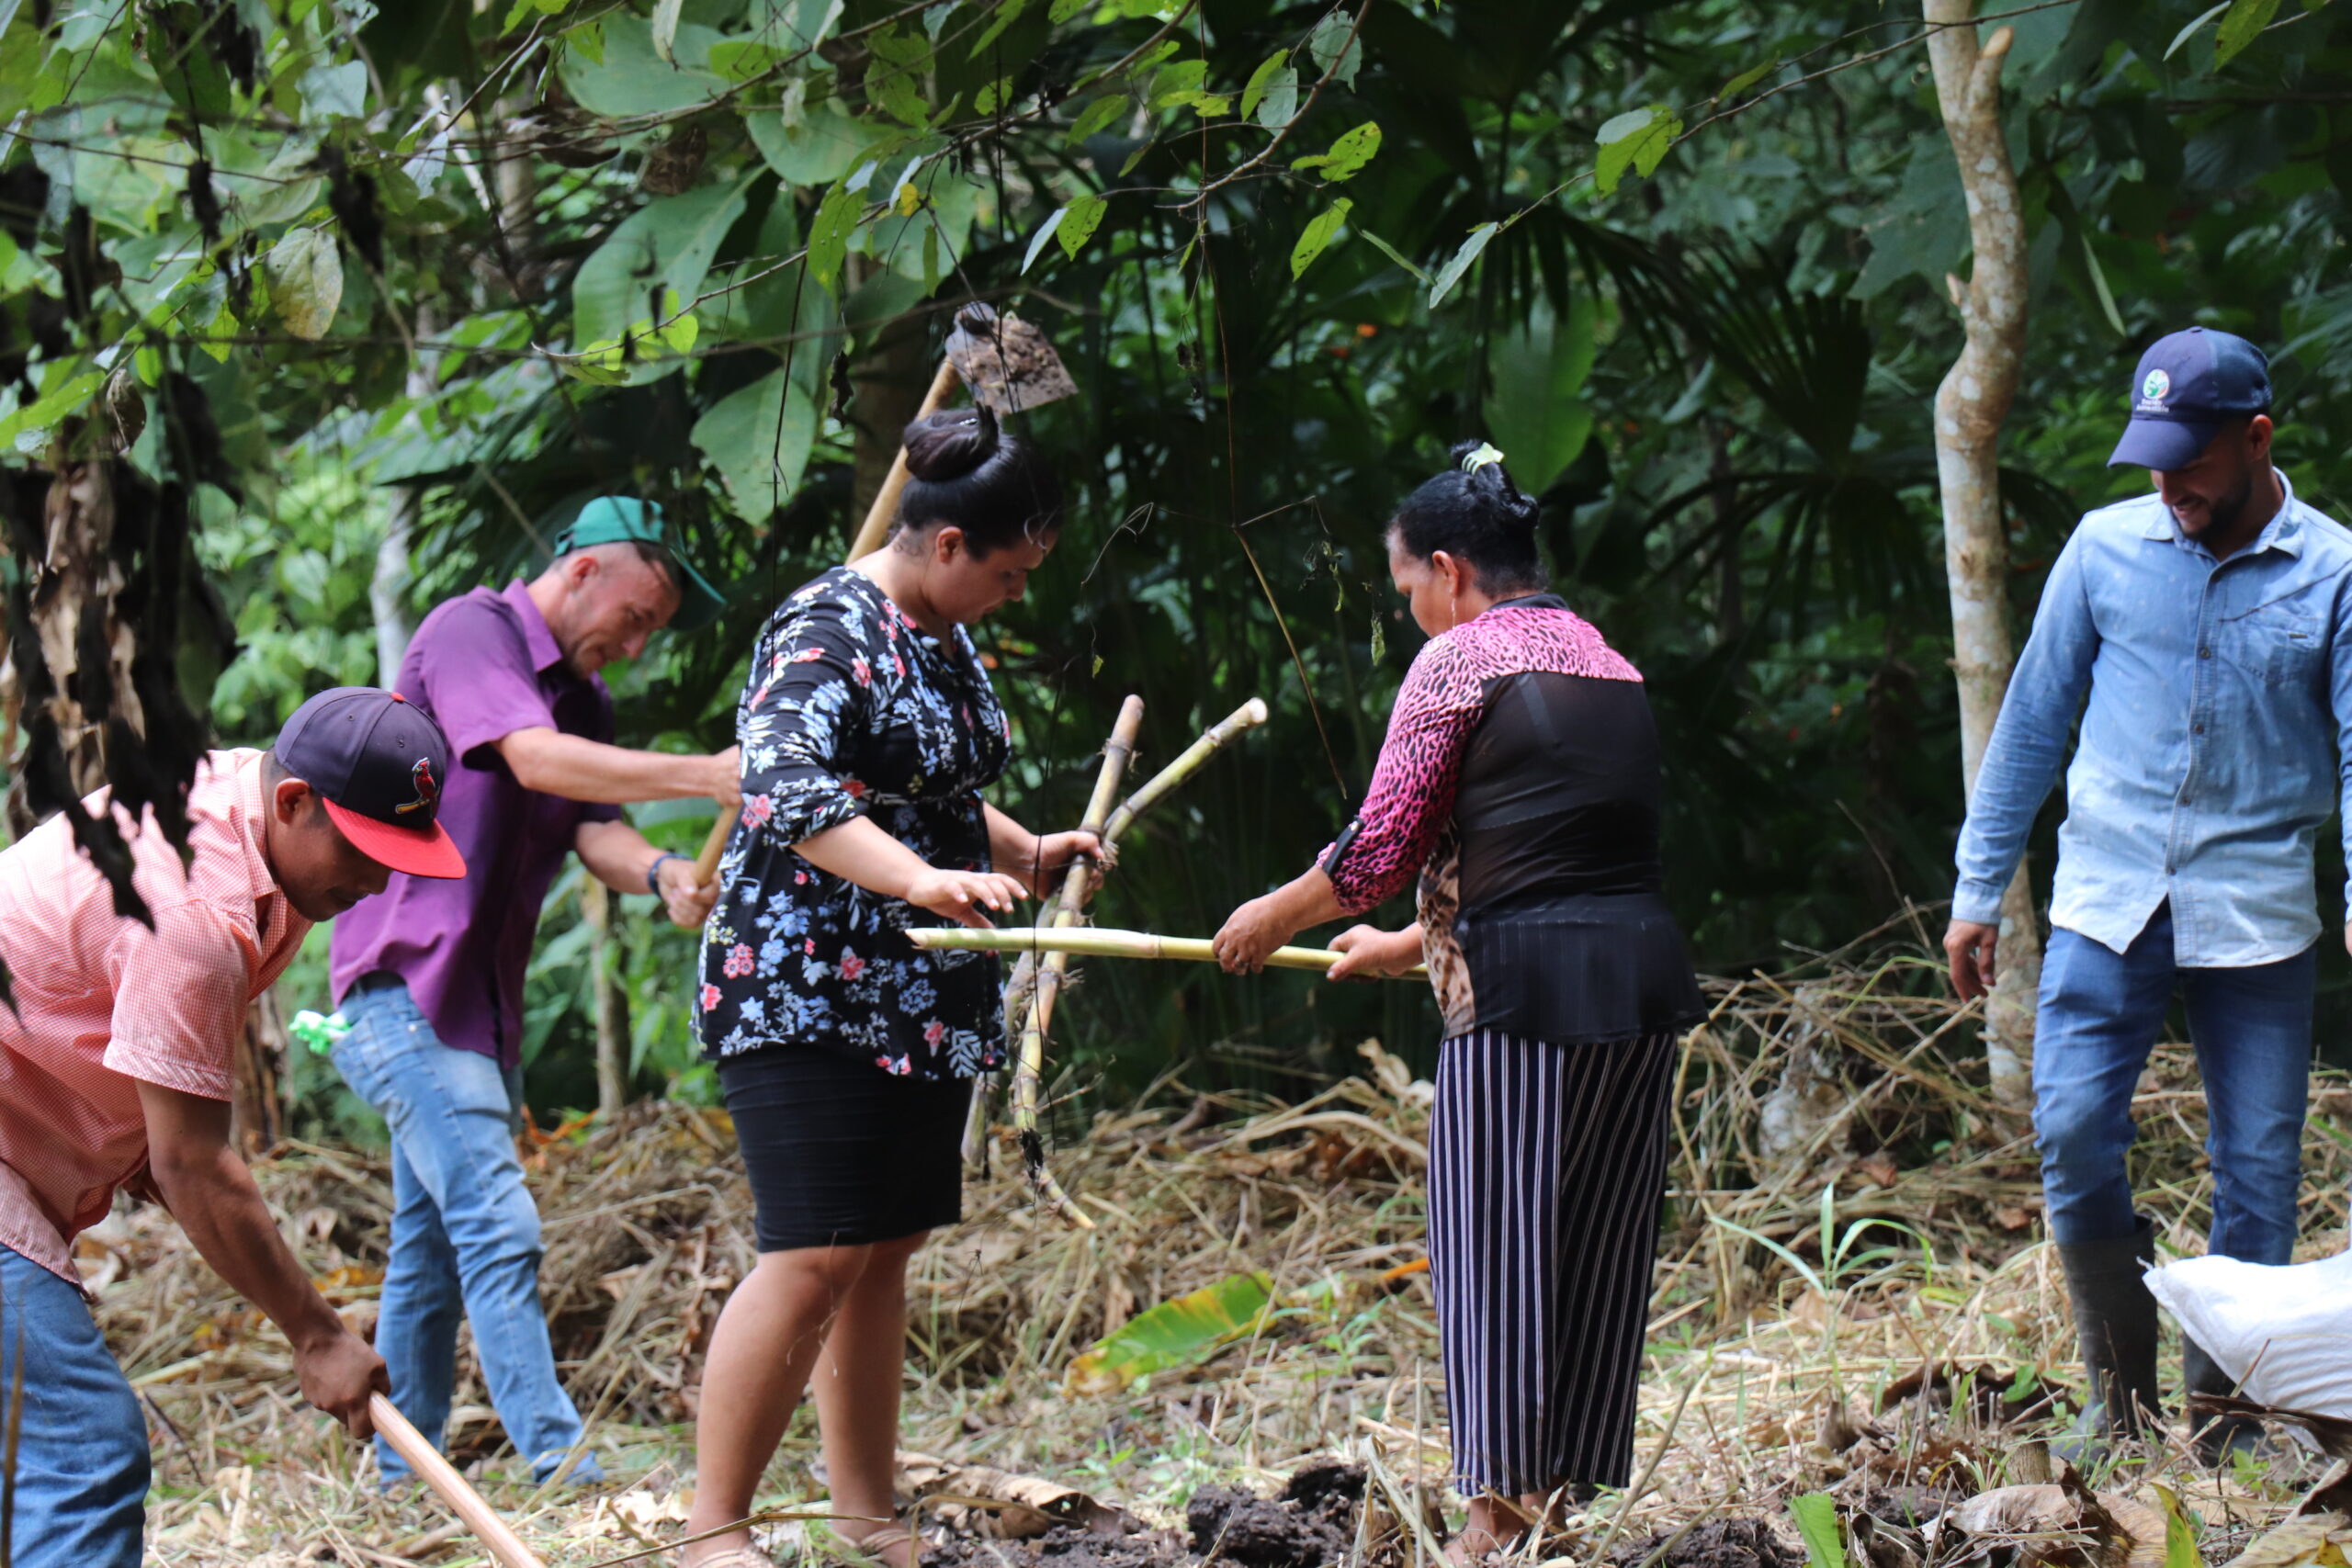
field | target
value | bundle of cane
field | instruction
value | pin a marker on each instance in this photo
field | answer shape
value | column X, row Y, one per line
column 1039, row 978
column 1249, row 716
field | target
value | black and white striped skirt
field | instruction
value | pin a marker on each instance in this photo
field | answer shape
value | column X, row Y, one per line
column 1547, row 1165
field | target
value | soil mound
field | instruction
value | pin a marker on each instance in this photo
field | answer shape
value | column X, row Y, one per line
column 1313, row 1522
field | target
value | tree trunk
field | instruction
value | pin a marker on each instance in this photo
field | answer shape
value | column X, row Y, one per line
column 612, row 1006
column 1970, row 406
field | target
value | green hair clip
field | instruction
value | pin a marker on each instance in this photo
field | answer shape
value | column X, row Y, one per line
column 1484, row 454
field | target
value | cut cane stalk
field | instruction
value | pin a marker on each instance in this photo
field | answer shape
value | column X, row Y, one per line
column 1249, row 716
column 1102, row 941
column 1022, row 989
column 1054, row 965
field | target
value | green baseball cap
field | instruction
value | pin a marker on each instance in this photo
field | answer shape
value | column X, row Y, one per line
column 617, row 519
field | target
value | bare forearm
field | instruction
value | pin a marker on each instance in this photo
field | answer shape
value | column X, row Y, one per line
column 1012, row 848
column 217, row 1203
column 616, row 854
column 1307, row 899
column 858, row 850
column 577, row 769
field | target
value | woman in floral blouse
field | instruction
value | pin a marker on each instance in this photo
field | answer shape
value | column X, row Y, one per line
column 868, row 731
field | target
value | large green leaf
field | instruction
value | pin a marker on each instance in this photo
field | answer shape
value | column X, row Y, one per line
column 2242, row 26
column 68, row 392
column 823, row 147
column 1533, row 411
column 667, row 240
column 760, row 438
column 337, row 89
column 1637, row 139
column 633, row 79
column 1173, row 1333
column 306, row 281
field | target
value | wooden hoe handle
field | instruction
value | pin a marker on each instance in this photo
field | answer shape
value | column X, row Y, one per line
column 505, row 1547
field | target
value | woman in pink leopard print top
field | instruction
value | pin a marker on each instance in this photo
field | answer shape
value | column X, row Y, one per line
column 1519, row 783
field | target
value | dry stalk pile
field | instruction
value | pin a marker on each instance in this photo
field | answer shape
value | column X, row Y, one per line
column 1798, row 1341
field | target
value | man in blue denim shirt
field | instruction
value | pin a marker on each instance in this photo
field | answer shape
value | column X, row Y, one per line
column 2210, row 624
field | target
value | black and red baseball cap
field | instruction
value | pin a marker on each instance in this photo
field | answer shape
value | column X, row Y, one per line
column 377, row 761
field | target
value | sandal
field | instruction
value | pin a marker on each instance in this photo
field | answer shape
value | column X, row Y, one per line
column 876, row 1546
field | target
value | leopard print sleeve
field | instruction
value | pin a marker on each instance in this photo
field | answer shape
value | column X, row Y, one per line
column 1412, row 788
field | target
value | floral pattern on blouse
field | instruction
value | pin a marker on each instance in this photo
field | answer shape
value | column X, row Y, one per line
column 853, row 710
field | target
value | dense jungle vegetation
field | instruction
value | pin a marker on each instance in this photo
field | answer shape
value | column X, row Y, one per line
column 346, row 306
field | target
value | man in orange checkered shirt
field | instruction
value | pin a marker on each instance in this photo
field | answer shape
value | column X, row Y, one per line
column 115, row 1069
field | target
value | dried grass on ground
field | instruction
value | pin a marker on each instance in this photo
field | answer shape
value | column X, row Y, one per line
column 1853, row 1295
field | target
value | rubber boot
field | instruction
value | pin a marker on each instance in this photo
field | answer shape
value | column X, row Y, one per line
column 2217, row 1438
column 2115, row 1321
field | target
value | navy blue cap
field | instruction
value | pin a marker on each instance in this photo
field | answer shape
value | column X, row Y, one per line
column 2189, row 386
column 377, row 761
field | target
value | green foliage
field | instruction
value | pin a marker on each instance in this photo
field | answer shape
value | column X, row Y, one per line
column 1176, row 1332
column 1824, row 1539
column 1638, row 140
column 479, row 263
column 2241, row 25
column 1316, row 236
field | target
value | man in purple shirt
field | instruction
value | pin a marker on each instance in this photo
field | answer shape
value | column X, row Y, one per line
column 430, row 974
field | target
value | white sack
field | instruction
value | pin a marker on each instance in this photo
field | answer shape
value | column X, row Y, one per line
column 2284, row 1334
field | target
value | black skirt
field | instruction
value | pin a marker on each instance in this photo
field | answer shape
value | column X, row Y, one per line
column 840, row 1153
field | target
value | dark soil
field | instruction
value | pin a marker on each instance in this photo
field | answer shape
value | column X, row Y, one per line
column 1310, row 1524
column 1064, row 1546
column 1717, row 1543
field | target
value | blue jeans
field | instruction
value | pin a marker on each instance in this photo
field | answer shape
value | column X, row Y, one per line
column 464, row 1234
column 2252, row 1028
column 81, row 1467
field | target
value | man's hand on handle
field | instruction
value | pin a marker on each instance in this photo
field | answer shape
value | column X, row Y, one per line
column 1969, row 947
column 338, row 1372
column 212, row 1195
column 687, row 901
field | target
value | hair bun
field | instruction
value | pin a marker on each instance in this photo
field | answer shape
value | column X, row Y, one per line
column 1482, row 466
column 947, row 445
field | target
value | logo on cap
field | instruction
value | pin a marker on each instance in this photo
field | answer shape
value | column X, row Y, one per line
column 2154, row 388
column 428, row 791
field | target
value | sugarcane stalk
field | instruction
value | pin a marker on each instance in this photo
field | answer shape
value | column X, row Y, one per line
column 1022, row 989
column 1023, row 986
column 1102, row 941
column 1030, row 1071
column 1249, row 716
